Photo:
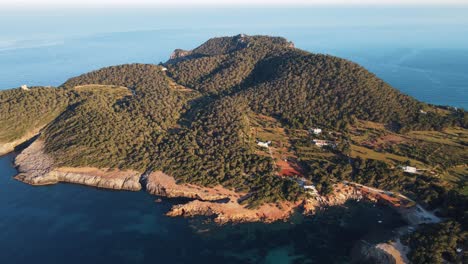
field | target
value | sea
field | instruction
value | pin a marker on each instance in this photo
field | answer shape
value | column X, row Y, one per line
column 422, row 52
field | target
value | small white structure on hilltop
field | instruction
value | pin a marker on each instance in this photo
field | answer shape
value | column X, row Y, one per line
column 409, row 169
column 316, row 131
column 422, row 112
column 24, row 87
column 311, row 189
column 320, row 142
column 163, row 69
column 264, row 144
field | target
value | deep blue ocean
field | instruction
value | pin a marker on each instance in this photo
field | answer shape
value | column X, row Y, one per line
column 421, row 51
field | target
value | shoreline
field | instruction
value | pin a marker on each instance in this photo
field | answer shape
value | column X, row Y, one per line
column 8, row 147
column 37, row 168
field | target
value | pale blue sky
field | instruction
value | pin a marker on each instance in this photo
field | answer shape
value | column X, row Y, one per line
column 135, row 3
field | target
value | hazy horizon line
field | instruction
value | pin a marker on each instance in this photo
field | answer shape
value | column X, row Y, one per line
column 117, row 4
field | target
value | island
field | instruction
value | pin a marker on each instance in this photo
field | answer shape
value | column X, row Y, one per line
column 251, row 128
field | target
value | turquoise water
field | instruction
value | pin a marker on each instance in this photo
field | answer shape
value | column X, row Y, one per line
column 422, row 52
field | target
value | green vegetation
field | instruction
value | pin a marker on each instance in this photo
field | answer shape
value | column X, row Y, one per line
column 107, row 130
column 216, row 149
column 23, row 111
column 437, row 243
column 199, row 120
column 221, row 65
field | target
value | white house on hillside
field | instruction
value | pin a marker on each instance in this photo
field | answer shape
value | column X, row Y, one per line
column 409, row 169
column 316, row 131
column 24, row 87
column 264, row 144
column 320, row 142
column 311, row 189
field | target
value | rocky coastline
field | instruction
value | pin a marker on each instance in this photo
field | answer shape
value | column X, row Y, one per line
column 8, row 147
column 36, row 167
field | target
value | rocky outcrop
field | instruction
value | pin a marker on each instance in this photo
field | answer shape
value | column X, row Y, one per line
column 225, row 205
column 158, row 183
column 232, row 211
column 217, row 201
column 177, row 54
column 396, row 250
column 341, row 194
column 383, row 253
column 8, row 147
column 37, row 168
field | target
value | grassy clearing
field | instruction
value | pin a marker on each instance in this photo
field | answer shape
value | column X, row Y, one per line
column 452, row 136
column 367, row 153
column 266, row 128
column 178, row 87
column 115, row 90
column 443, row 152
column 457, row 176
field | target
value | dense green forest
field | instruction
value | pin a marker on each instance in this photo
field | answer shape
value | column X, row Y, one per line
column 22, row 111
column 133, row 116
column 192, row 118
column 301, row 88
column 437, row 243
column 106, row 130
column 222, row 64
column 216, row 149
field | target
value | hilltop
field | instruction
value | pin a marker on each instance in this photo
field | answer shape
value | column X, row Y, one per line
column 250, row 119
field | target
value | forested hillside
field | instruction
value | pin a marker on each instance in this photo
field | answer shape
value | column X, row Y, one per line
column 261, row 117
column 115, row 131
column 22, row 111
column 217, row 149
column 193, row 121
column 222, row 64
column 301, row 88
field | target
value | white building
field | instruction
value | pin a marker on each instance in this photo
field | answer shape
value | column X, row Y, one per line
column 316, row 131
column 163, row 69
column 264, row 144
column 311, row 189
column 24, row 87
column 320, row 142
column 409, row 169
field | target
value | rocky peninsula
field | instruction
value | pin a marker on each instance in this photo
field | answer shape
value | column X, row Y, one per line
column 245, row 128
column 37, row 168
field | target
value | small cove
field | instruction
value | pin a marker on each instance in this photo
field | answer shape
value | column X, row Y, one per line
column 76, row 224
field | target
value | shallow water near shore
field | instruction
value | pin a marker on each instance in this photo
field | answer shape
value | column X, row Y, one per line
column 68, row 223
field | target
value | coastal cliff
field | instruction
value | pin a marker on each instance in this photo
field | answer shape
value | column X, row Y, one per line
column 383, row 253
column 158, row 183
column 37, row 168
column 8, row 147
column 226, row 205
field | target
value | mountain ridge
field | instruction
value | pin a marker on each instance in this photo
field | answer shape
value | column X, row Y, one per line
column 234, row 92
